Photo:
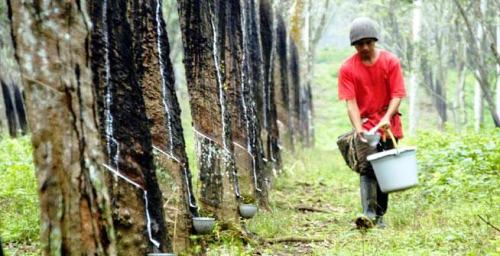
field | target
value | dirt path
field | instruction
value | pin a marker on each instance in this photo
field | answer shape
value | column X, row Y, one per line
column 314, row 202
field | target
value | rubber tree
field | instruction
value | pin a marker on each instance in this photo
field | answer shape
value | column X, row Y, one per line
column 123, row 108
column 53, row 54
column 296, row 56
column 281, row 82
column 203, row 34
column 156, row 77
column 498, row 65
column 476, row 41
column 413, row 86
column 305, row 31
column 270, row 132
column 12, row 110
column 252, row 95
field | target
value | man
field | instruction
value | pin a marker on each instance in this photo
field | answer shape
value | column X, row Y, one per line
column 371, row 83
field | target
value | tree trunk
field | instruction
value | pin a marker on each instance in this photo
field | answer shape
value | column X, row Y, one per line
column 10, row 109
column 461, row 68
column 299, row 47
column 459, row 105
column 294, row 93
column 7, row 68
column 478, row 60
column 203, row 34
column 138, row 219
column 498, row 65
column 156, row 77
column 280, row 76
column 4, row 123
column 478, row 106
column 413, row 90
column 12, row 113
column 270, row 134
column 75, row 206
column 316, row 25
column 478, row 95
column 253, row 97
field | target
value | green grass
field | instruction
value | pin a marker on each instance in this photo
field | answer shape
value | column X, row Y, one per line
column 419, row 224
column 19, row 210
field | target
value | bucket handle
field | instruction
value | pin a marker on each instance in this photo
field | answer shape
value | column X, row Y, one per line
column 387, row 128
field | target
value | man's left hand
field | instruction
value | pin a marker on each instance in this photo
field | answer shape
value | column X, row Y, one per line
column 384, row 122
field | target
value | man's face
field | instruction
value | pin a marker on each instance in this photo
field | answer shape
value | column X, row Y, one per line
column 365, row 48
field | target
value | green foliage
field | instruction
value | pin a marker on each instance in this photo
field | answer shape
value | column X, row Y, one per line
column 458, row 183
column 457, row 165
column 19, row 209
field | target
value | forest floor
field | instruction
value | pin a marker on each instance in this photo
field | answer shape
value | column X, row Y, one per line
column 316, row 198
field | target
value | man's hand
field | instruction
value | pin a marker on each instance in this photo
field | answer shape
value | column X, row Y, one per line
column 361, row 136
column 391, row 110
column 384, row 122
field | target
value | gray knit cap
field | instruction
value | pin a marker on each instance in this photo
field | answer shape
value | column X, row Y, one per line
column 361, row 28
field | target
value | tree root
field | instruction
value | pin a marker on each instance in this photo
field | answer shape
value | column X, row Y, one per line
column 488, row 223
column 294, row 240
column 305, row 208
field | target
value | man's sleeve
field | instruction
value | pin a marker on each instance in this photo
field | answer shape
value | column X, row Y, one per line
column 345, row 84
column 396, row 80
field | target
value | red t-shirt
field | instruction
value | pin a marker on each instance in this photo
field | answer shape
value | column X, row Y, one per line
column 373, row 87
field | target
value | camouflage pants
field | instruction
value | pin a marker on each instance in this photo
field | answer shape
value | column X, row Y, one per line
column 355, row 152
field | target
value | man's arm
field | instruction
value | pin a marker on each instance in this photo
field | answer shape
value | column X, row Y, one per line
column 391, row 110
column 355, row 117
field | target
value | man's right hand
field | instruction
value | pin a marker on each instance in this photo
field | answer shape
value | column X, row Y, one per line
column 361, row 136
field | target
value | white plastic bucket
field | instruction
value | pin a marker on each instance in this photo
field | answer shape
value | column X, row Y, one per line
column 395, row 169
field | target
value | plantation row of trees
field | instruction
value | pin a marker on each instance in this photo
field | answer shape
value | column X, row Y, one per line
column 12, row 112
column 449, row 50
column 108, row 145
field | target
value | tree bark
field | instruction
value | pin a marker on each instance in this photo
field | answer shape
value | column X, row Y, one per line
column 156, row 77
column 478, row 61
column 4, row 123
column 459, row 105
column 318, row 17
column 253, row 97
column 478, row 106
column 299, row 29
column 498, row 65
column 280, row 77
column 12, row 112
column 440, row 85
column 270, row 134
column 203, row 34
column 294, row 103
column 413, row 90
column 138, row 219
column 10, row 109
column 74, row 201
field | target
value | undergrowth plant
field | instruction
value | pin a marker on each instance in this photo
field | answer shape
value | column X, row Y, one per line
column 19, row 209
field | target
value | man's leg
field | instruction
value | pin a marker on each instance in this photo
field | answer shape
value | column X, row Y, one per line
column 382, row 201
column 369, row 198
